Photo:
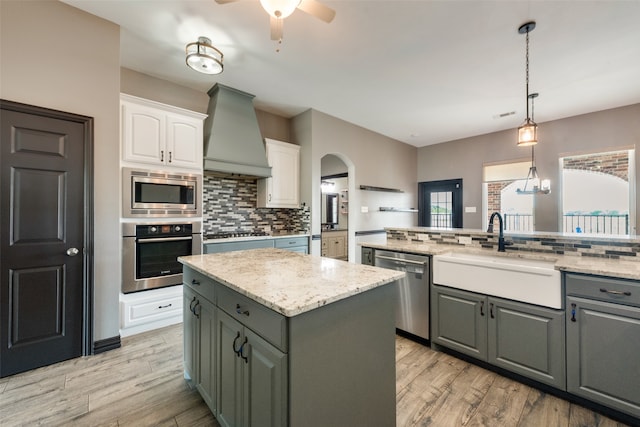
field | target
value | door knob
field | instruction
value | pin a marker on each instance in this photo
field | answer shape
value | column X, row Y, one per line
column 72, row 251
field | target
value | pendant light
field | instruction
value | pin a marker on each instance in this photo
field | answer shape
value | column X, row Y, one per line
column 533, row 184
column 528, row 131
column 203, row 57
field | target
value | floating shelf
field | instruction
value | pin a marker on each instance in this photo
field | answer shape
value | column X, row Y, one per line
column 388, row 190
column 390, row 209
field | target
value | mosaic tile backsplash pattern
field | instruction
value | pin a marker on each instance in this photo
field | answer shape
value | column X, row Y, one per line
column 560, row 245
column 229, row 205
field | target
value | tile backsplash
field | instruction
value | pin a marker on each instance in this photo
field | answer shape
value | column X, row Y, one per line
column 229, row 205
column 575, row 244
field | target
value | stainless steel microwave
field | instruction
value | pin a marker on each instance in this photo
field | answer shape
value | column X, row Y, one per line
column 159, row 194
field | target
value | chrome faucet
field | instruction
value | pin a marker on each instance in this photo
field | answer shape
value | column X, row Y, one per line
column 500, row 236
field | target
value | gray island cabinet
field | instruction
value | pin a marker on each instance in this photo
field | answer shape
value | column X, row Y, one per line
column 275, row 338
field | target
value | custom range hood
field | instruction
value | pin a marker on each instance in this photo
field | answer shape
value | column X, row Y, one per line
column 233, row 143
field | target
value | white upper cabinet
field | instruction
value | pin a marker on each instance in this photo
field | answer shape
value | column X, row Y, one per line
column 282, row 190
column 160, row 135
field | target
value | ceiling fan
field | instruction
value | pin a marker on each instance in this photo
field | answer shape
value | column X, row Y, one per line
column 280, row 9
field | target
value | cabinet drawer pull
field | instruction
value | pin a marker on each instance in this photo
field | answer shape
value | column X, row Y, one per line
column 240, row 311
column 195, row 282
column 164, row 306
column 607, row 291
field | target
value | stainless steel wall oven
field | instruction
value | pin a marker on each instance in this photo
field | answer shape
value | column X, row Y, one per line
column 157, row 194
column 150, row 252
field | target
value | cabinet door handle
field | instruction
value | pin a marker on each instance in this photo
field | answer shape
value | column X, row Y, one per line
column 573, row 312
column 164, row 306
column 169, row 156
column 197, row 313
column 481, row 308
column 607, row 291
column 191, row 305
column 269, row 196
column 491, row 311
column 195, row 282
column 241, row 351
column 162, row 155
column 234, row 344
column 240, row 311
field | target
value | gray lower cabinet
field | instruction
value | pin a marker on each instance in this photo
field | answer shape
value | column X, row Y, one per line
column 367, row 256
column 459, row 321
column 253, row 377
column 191, row 337
column 199, row 344
column 293, row 243
column 214, row 248
column 522, row 338
column 603, row 341
column 309, row 370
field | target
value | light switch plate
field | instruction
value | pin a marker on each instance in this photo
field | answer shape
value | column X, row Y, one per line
column 364, row 209
column 470, row 209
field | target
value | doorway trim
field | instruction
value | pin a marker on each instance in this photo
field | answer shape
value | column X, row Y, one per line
column 87, row 274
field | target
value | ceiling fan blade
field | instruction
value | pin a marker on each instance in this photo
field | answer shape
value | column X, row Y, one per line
column 317, row 9
column 226, row 1
column 276, row 28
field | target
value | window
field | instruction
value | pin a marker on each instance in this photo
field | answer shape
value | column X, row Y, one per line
column 440, row 204
column 500, row 184
column 596, row 196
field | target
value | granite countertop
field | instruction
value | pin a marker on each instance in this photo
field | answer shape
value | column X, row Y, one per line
column 611, row 267
column 288, row 282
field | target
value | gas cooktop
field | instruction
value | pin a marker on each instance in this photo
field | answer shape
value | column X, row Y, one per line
column 229, row 235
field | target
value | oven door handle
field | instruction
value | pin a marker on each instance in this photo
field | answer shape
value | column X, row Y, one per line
column 163, row 239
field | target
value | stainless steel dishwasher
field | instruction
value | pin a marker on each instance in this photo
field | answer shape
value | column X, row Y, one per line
column 412, row 309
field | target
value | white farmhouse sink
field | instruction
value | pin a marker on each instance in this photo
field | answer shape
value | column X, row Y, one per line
column 525, row 280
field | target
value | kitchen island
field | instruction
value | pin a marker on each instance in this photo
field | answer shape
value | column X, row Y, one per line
column 279, row 338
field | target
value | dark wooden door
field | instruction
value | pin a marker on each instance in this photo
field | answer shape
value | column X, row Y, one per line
column 440, row 203
column 42, row 220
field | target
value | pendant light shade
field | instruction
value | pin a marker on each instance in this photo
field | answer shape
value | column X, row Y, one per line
column 533, row 184
column 203, row 57
column 528, row 132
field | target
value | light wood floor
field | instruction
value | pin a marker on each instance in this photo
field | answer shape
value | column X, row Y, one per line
column 141, row 384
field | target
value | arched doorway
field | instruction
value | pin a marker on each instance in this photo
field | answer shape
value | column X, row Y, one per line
column 334, row 218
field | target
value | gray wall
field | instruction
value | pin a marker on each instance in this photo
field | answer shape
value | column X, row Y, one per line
column 601, row 131
column 145, row 86
column 371, row 159
column 59, row 57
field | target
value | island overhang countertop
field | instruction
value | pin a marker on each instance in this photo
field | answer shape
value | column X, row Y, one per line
column 287, row 282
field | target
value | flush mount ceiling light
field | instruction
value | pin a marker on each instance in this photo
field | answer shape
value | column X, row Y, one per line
column 203, row 57
column 528, row 131
column 533, row 184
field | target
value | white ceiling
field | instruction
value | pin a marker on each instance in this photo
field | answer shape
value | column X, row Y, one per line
column 421, row 72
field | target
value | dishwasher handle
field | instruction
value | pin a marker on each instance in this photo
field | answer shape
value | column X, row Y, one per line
column 400, row 260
